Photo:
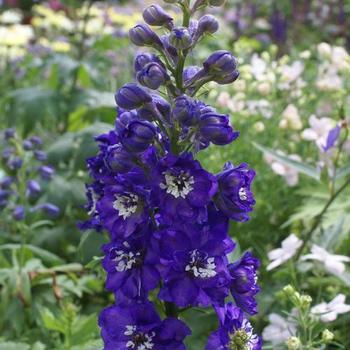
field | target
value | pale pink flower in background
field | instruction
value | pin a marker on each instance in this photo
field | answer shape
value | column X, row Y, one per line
column 291, row 175
column 279, row 329
column 328, row 312
column 318, row 131
column 291, row 118
column 332, row 262
column 289, row 247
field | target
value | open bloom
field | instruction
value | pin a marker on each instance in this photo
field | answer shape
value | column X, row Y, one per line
column 194, row 266
column 182, row 187
column 279, row 329
column 332, row 262
column 123, row 206
column 289, row 247
column 130, row 267
column 234, row 197
column 235, row 331
column 328, row 312
column 139, row 327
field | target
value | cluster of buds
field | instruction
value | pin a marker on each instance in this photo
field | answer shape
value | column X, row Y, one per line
column 166, row 216
column 24, row 170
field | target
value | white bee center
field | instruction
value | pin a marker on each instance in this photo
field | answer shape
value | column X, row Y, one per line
column 178, row 185
column 200, row 266
column 126, row 205
column 139, row 340
column 242, row 193
column 125, row 261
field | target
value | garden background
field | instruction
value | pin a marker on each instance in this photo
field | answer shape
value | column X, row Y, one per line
column 61, row 63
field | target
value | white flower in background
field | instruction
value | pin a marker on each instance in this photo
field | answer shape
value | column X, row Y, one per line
column 291, row 118
column 259, row 126
column 258, row 67
column 11, row 17
column 329, row 80
column 318, row 131
column 264, row 88
column 16, row 35
column 305, row 55
column 290, row 73
column 291, row 175
column 328, row 312
column 259, row 107
column 332, row 262
column 324, row 50
column 279, row 329
column 289, row 247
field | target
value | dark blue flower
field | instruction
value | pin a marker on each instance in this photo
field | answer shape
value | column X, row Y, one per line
column 130, row 267
column 159, row 109
column 49, row 209
column 187, row 110
column 27, row 145
column 244, row 285
column 36, row 141
column 9, row 133
column 138, row 326
column 194, row 266
column 123, row 206
column 182, row 188
column 234, row 197
column 235, row 331
column 15, row 163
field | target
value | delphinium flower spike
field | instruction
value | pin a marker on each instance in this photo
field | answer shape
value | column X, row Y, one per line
column 167, row 217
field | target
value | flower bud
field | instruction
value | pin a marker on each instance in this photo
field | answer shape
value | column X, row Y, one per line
column 327, row 336
column 40, row 155
column 33, row 189
column 155, row 15
column 305, row 301
column 131, row 96
column 158, row 109
column 142, row 59
column 36, row 141
column 187, row 110
column 18, row 213
column 143, row 35
column 293, row 343
column 49, row 209
column 15, row 163
column 123, row 120
column 117, row 159
column 10, row 133
column 220, row 63
column 46, row 172
column 215, row 128
column 189, row 73
column 27, row 145
column 207, row 24
column 138, row 135
column 180, row 38
column 227, row 79
column 152, row 76
column 6, row 182
column 217, row 3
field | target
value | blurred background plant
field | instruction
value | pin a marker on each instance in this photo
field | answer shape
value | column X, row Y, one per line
column 61, row 62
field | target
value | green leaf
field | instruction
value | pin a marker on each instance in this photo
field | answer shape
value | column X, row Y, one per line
column 24, row 287
column 84, row 329
column 45, row 255
column 343, row 172
column 14, row 346
column 301, row 167
column 51, row 322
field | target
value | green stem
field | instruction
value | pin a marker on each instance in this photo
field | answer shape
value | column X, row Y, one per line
column 319, row 217
column 171, row 310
